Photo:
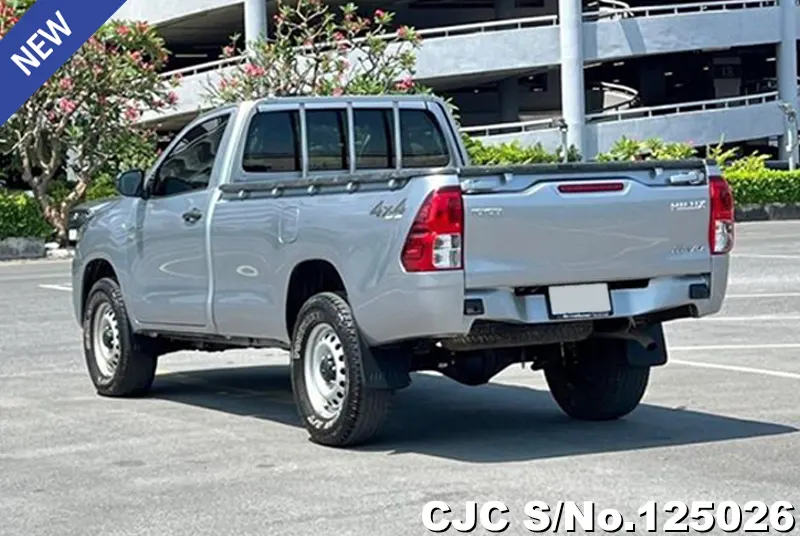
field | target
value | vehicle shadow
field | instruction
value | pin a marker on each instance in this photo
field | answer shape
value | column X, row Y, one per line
column 486, row 424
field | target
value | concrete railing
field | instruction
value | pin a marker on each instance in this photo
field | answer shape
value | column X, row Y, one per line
column 608, row 7
column 695, row 7
column 621, row 115
column 510, row 128
column 681, row 108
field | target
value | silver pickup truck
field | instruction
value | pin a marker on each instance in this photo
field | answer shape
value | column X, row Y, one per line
column 354, row 233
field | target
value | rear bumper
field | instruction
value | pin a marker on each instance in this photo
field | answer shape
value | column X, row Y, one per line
column 661, row 294
column 433, row 306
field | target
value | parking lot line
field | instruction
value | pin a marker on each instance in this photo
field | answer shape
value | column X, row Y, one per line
column 765, row 256
column 734, row 368
column 756, row 318
column 713, row 347
column 757, row 295
column 65, row 288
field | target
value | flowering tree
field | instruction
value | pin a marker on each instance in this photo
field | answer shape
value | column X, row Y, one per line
column 84, row 114
column 314, row 51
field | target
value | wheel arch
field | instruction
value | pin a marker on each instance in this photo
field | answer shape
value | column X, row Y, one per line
column 309, row 277
column 93, row 271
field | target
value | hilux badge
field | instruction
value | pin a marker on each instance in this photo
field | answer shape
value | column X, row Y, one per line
column 696, row 204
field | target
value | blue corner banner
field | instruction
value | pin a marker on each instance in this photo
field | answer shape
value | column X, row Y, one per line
column 43, row 39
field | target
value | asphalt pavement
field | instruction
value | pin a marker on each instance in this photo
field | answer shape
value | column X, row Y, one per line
column 217, row 448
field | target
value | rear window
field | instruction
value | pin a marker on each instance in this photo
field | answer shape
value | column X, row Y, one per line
column 273, row 143
column 374, row 139
column 422, row 142
column 327, row 140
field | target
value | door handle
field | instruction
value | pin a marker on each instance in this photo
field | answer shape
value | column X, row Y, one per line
column 192, row 216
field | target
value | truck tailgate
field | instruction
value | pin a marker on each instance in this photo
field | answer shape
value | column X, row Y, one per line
column 537, row 228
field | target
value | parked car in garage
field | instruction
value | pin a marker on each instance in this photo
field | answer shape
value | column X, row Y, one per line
column 80, row 214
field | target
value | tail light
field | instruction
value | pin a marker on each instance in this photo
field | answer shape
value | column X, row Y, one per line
column 435, row 241
column 720, row 230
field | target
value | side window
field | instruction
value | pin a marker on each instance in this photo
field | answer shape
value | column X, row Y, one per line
column 327, row 135
column 188, row 166
column 374, row 139
column 422, row 142
column 273, row 143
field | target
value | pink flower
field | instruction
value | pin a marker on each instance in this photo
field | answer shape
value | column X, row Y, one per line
column 67, row 105
column 405, row 84
column 254, row 71
column 228, row 51
column 65, row 84
column 97, row 70
column 172, row 97
column 379, row 13
column 142, row 27
column 337, row 91
column 223, row 84
column 51, row 116
column 132, row 114
column 338, row 36
column 402, row 32
column 123, row 31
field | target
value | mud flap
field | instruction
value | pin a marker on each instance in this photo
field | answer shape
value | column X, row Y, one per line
column 384, row 370
column 639, row 356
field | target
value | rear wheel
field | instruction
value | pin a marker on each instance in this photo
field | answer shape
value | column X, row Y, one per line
column 327, row 379
column 120, row 363
column 597, row 383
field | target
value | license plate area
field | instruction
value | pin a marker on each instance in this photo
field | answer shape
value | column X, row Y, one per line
column 579, row 301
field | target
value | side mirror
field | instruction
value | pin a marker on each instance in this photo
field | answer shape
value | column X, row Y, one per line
column 130, row 183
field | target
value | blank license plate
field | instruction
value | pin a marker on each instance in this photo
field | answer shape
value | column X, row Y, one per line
column 580, row 301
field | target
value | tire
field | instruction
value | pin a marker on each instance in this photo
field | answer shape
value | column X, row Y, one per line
column 336, row 408
column 120, row 363
column 598, row 384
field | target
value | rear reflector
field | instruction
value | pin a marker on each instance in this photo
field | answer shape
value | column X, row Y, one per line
column 590, row 187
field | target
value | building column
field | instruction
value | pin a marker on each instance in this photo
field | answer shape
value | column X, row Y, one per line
column 787, row 63
column 508, row 91
column 255, row 20
column 573, row 98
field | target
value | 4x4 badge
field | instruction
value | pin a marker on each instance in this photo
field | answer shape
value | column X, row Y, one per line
column 389, row 212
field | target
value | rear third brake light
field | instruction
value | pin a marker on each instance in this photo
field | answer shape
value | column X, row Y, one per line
column 591, row 187
column 720, row 229
column 435, row 240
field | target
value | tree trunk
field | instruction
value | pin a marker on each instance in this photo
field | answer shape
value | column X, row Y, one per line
column 62, row 236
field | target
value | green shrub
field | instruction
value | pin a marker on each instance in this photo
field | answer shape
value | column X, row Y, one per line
column 511, row 153
column 764, row 186
column 102, row 187
column 652, row 149
column 20, row 216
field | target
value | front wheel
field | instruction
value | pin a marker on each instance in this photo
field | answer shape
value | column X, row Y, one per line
column 120, row 362
column 336, row 407
column 597, row 383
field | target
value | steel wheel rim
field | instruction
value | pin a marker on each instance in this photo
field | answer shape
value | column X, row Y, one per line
column 105, row 338
column 325, row 371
